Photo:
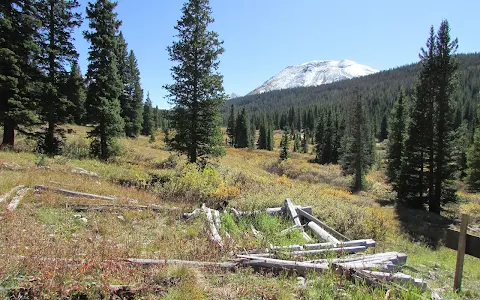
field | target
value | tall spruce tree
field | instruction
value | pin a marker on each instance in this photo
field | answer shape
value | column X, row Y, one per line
column 296, row 142
column 284, row 145
column 270, row 133
column 18, row 69
column 75, row 93
column 56, row 42
column 197, row 93
column 104, row 84
column 147, row 125
column 242, row 125
column 473, row 161
column 396, row 141
column 359, row 148
column 428, row 167
column 262, row 136
column 132, row 106
column 252, row 132
column 327, row 141
column 231, row 126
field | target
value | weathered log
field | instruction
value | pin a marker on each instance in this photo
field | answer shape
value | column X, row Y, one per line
column 278, row 264
column 393, row 257
column 279, row 210
column 217, row 220
column 290, row 209
column 235, row 213
column 107, row 207
column 9, row 193
column 366, row 265
column 290, row 247
column 400, row 278
column 200, row 264
column 327, row 228
column 213, row 229
column 330, row 250
column 84, row 172
column 367, row 243
column 74, row 193
column 322, row 234
column 16, row 199
column 194, row 213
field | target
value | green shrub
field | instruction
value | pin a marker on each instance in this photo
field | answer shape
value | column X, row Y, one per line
column 76, row 148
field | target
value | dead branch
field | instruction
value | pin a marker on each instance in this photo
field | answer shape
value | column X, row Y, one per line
column 73, row 193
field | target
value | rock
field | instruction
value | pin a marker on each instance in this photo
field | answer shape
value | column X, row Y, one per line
column 84, row 220
column 121, row 218
column 77, row 216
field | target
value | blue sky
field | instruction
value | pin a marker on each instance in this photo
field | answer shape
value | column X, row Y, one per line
column 262, row 37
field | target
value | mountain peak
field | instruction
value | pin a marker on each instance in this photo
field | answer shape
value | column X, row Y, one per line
column 314, row 73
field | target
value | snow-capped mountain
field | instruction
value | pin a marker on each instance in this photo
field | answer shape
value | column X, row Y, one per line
column 233, row 96
column 314, row 73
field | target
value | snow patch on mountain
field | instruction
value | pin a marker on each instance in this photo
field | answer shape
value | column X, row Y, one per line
column 314, row 73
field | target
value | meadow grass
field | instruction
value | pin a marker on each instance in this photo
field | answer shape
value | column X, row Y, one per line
column 146, row 173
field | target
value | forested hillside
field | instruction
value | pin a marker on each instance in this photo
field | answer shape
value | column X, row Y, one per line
column 379, row 91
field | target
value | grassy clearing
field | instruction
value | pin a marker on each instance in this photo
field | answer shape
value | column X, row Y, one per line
column 148, row 174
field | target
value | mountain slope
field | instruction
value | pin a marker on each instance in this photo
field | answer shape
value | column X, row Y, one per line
column 314, row 73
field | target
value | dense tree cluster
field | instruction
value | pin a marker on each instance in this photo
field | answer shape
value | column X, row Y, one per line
column 37, row 91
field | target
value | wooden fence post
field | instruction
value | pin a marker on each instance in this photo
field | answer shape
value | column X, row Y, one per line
column 462, row 243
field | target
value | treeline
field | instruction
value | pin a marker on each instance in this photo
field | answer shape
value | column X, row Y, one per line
column 37, row 90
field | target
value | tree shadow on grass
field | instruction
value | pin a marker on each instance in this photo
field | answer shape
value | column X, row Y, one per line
column 420, row 225
column 423, row 226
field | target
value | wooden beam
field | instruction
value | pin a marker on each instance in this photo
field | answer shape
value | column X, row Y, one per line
column 213, row 229
column 327, row 228
column 473, row 242
column 7, row 195
column 73, row 193
column 339, row 251
column 322, row 234
column 16, row 199
column 106, row 207
column 292, row 212
column 400, row 278
column 367, row 243
column 278, row 264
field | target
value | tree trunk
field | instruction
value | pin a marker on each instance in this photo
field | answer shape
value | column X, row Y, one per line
column 8, row 134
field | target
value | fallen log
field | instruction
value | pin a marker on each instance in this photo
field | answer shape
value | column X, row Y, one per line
column 194, row 213
column 367, row 243
column 292, row 212
column 107, row 207
column 7, row 195
column 368, row 265
column 327, row 228
column 394, row 257
column 200, row 264
column 213, row 229
column 400, row 278
column 73, row 193
column 322, row 234
column 84, row 172
column 217, row 220
column 16, row 199
column 278, row 264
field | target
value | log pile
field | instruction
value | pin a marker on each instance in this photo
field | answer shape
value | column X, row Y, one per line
column 371, row 268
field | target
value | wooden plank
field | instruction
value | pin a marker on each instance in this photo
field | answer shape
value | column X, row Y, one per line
column 400, row 278
column 472, row 243
column 213, row 229
column 74, row 193
column 16, row 199
column 322, row 233
column 292, row 212
column 278, row 264
column 7, row 195
column 339, row 251
column 106, row 207
column 462, row 243
column 202, row 264
column 327, row 228
column 394, row 257
column 367, row 243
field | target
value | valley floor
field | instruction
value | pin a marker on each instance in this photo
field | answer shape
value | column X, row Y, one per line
column 96, row 244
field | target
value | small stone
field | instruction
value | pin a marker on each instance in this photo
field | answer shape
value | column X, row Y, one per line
column 121, row 218
column 77, row 216
column 84, row 220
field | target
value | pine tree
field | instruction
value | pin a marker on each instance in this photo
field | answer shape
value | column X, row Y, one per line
column 252, row 135
column 327, row 141
column 75, row 93
column 296, row 142
column 197, row 93
column 242, row 130
column 473, row 162
column 270, row 139
column 231, row 126
column 132, row 106
column 461, row 143
column 319, row 135
column 18, row 72
column 358, row 153
column 56, row 42
column 305, row 141
column 262, row 136
column 397, row 136
column 284, row 144
column 147, row 124
column 383, row 129
column 104, row 87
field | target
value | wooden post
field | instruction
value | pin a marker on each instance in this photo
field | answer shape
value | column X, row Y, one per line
column 462, row 243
